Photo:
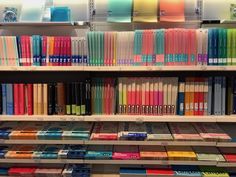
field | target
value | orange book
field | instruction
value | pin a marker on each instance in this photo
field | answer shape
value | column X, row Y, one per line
column 153, row 152
column 21, row 152
column 172, row 10
column 196, row 96
column 27, row 131
column 35, row 90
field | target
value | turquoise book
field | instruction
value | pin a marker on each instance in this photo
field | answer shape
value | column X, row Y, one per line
column 119, row 11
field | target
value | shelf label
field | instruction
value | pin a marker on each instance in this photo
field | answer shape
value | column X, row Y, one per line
column 63, row 118
column 40, row 119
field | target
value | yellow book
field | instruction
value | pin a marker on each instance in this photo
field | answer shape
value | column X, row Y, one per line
column 45, row 99
column 181, row 153
column 145, row 11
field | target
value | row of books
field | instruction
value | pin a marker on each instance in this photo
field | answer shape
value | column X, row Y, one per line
column 125, row 95
column 163, row 47
column 118, row 152
column 73, row 170
column 117, row 131
column 177, row 170
column 137, row 48
column 66, row 171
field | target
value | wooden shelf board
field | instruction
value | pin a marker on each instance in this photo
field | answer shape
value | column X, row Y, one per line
column 226, row 164
column 118, row 68
column 80, row 142
column 226, row 144
column 43, row 161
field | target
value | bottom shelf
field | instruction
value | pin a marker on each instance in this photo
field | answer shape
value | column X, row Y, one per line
column 117, row 162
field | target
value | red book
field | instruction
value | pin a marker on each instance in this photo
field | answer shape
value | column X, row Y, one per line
column 196, row 96
column 68, row 62
column 21, row 99
column 23, row 50
column 16, row 99
column 30, row 99
column 15, row 171
column 27, row 52
column 161, row 171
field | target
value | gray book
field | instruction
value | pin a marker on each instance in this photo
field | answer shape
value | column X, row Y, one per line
column 223, row 93
column 209, row 101
column 4, row 99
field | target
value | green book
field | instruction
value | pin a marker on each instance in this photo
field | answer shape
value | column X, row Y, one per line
column 119, row 11
column 229, row 46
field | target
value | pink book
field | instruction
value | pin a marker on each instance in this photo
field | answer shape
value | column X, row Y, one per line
column 151, row 95
column 23, row 50
column 138, row 95
column 105, row 131
column 111, row 48
column 126, row 153
column 105, row 48
column 147, row 95
column 155, row 97
column 161, row 94
column 133, row 93
column 193, row 46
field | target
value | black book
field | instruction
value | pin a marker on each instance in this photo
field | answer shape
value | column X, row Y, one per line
column 51, row 99
column 82, row 98
column 88, row 97
column 78, row 102
column 73, row 98
column 68, row 98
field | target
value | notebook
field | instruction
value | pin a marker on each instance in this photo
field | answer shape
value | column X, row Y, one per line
column 172, row 10
column 145, row 11
column 79, row 9
column 153, row 152
column 32, row 12
column 119, row 10
column 210, row 7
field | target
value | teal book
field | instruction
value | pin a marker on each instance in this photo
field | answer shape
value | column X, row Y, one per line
column 119, row 11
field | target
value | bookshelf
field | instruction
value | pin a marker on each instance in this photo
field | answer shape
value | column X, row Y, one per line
column 71, row 28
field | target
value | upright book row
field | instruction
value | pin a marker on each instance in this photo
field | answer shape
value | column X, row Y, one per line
column 131, row 96
column 137, row 48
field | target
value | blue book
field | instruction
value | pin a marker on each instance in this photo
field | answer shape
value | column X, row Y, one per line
column 181, row 94
column 60, row 14
column 6, row 128
column 48, row 151
column 10, row 104
column 215, row 46
column 4, row 99
column 73, row 152
column 133, row 171
column 99, row 152
column 4, row 171
column 3, row 151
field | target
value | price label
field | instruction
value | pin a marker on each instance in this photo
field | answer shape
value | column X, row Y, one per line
column 37, row 160
column 164, row 143
column 40, row 119
column 62, row 118
column 140, row 120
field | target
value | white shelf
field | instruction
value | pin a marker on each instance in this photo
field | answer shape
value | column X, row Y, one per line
column 46, row 24
column 90, row 142
column 151, row 162
column 117, row 118
column 118, row 68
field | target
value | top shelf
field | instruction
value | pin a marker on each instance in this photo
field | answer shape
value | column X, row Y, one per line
column 46, row 24
column 117, row 68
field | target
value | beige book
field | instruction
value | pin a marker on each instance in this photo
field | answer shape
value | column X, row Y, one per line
column 45, row 99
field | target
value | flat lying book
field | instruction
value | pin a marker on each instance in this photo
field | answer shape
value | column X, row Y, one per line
column 158, row 131
column 208, row 154
column 229, row 154
column 126, row 153
column 48, row 151
column 213, row 172
column 184, row 132
column 27, row 131
column 48, row 172
column 6, row 128
column 53, row 131
column 72, row 152
column 125, row 172
column 22, row 171
column 132, row 131
column 211, row 132
column 181, row 153
column 153, row 152
column 105, row 131
column 78, row 131
column 76, row 170
column 4, row 150
column 159, row 171
column 99, row 152
column 22, row 152
column 185, row 170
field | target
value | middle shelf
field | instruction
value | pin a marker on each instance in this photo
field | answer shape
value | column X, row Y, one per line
column 119, row 118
